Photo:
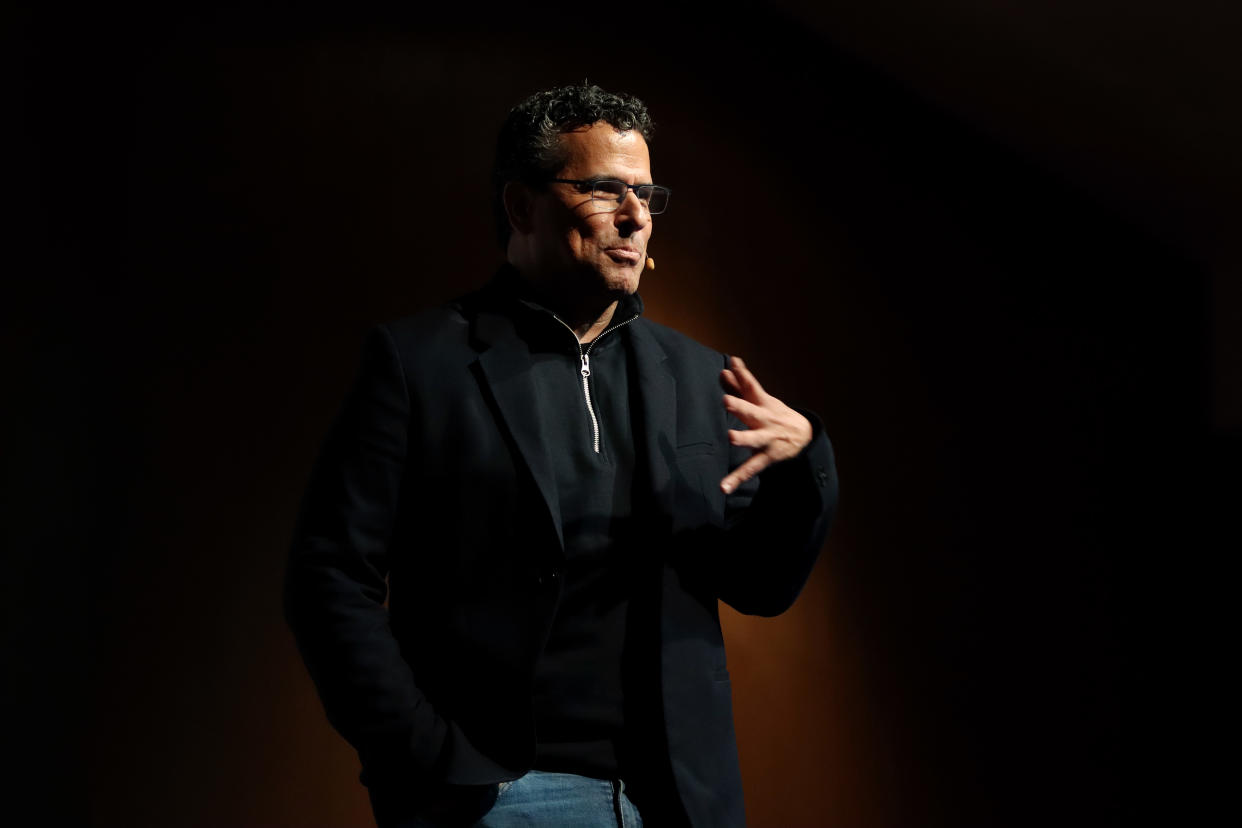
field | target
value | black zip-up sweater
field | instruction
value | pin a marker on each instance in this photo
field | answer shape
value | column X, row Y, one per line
column 582, row 676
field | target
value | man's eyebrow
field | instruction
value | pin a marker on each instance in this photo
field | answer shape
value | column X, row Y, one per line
column 594, row 178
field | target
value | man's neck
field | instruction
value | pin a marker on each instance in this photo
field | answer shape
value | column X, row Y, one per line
column 587, row 316
column 585, row 327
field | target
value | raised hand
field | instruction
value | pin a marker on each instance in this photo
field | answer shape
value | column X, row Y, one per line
column 774, row 431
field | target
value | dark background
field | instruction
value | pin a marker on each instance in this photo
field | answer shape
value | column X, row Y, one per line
column 992, row 244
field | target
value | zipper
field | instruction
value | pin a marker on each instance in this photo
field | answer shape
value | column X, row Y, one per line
column 585, row 370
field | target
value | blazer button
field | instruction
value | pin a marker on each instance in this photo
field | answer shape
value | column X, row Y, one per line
column 823, row 476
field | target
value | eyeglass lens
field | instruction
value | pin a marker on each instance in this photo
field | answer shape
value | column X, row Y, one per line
column 612, row 190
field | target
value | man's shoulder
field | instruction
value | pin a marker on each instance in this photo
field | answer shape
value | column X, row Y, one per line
column 427, row 324
column 454, row 316
column 677, row 344
column 438, row 325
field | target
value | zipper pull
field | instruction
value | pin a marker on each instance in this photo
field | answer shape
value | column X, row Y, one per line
column 586, row 366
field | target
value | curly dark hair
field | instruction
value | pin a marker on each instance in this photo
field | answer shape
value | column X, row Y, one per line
column 528, row 148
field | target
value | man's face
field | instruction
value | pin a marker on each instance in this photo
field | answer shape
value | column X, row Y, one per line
column 580, row 246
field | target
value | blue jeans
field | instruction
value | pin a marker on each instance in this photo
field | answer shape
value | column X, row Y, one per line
column 540, row 798
column 548, row 799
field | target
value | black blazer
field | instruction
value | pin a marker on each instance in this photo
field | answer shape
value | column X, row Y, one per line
column 434, row 491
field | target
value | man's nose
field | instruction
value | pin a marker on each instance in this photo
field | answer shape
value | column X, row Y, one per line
column 632, row 213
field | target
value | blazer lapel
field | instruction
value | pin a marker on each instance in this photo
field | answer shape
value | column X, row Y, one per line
column 506, row 367
column 658, row 401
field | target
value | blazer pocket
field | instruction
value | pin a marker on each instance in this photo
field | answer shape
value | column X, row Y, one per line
column 695, row 449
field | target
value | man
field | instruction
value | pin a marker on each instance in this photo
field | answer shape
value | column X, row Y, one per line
column 552, row 494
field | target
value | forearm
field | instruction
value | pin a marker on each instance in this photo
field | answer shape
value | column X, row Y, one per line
column 774, row 528
column 367, row 690
column 335, row 583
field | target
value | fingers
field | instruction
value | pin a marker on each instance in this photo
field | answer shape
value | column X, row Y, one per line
column 744, row 410
column 774, row 432
column 744, row 472
column 739, row 380
column 750, row 387
column 752, row 438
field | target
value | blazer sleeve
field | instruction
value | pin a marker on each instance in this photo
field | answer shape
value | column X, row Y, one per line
column 775, row 525
column 335, row 582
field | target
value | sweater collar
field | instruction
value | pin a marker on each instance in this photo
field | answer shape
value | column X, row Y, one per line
column 518, row 297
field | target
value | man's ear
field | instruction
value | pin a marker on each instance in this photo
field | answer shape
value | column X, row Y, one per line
column 519, row 203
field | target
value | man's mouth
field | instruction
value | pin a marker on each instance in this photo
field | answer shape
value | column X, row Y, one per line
column 624, row 255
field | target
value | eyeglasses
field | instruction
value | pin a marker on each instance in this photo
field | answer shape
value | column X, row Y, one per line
column 610, row 192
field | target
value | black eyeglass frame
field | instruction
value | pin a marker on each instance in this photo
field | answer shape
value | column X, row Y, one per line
column 616, row 200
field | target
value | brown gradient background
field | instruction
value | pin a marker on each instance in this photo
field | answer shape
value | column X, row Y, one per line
column 993, row 245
